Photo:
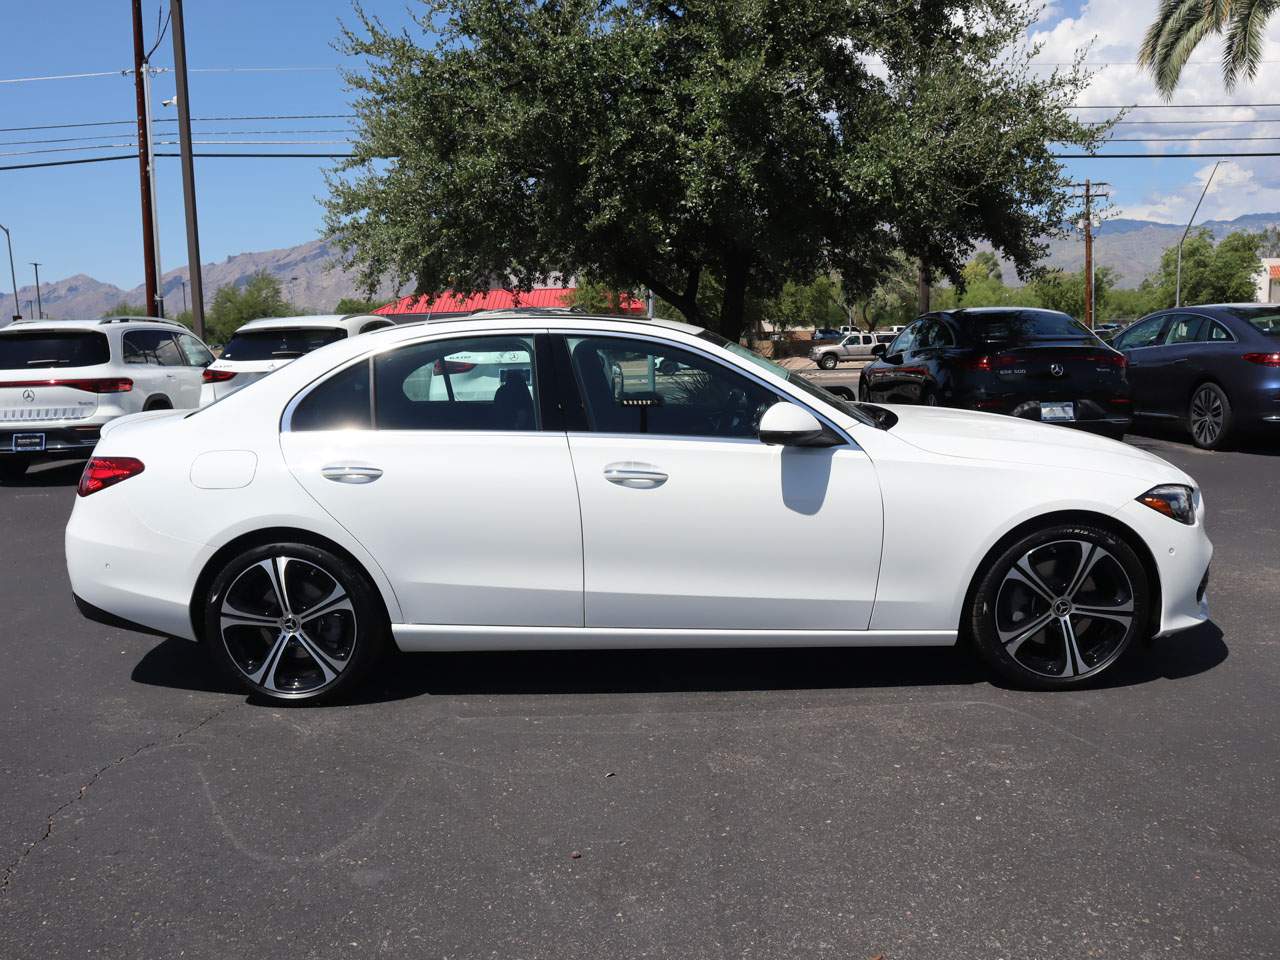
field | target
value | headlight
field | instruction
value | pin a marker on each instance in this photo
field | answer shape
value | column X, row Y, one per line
column 1174, row 500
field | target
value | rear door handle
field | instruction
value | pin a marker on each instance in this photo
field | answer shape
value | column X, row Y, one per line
column 350, row 473
column 638, row 476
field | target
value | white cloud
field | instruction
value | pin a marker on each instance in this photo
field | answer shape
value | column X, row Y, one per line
column 1113, row 32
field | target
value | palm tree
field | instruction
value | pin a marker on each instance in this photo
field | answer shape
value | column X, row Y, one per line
column 1181, row 25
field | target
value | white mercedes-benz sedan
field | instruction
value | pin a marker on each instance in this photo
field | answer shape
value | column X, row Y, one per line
column 547, row 480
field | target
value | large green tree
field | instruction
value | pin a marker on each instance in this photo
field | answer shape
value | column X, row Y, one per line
column 1181, row 26
column 1221, row 272
column 656, row 144
column 233, row 305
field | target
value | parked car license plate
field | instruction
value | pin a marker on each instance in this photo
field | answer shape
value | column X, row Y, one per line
column 1057, row 411
column 28, row 442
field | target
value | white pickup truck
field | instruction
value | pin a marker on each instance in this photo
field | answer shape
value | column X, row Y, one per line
column 855, row 346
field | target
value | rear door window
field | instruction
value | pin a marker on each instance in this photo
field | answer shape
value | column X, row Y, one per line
column 285, row 343
column 1184, row 328
column 472, row 383
column 53, row 348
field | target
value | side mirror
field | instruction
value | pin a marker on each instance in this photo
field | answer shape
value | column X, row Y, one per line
column 879, row 349
column 791, row 425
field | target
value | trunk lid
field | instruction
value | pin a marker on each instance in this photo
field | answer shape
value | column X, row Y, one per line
column 49, row 375
column 1050, row 370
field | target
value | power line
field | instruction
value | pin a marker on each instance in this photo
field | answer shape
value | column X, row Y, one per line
column 1167, row 106
column 1160, row 156
column 109, row 123
column 204, row 133
column 126, row 72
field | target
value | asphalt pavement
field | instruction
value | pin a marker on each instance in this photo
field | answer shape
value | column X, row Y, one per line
column 720, row 804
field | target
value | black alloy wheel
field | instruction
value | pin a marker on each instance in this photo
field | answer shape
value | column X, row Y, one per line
column 294, row 623
column 1060, row 606
column 1209, row 417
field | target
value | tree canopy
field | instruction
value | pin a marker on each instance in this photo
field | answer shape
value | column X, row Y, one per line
column 1181, row 26
column 659, row 144
column 233, row 306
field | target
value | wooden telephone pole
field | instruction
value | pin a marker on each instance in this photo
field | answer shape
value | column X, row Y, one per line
column 144, row 161
column 1090, row 193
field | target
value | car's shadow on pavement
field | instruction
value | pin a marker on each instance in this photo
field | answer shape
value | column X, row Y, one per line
column 1142, row 434
column 64, row 473
column 182, row 665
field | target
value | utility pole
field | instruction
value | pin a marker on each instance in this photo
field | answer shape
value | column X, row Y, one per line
column 923, row 293
column 188, row 167
column 1177, row 289
column 1091, row 192
column 144, row 158
column 39, row 305
column 184, row 294
column 13, row 276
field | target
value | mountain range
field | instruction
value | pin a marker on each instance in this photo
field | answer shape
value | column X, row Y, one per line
column 311, row 279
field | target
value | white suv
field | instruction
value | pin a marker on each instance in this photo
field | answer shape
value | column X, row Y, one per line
column 261, row 346
column 61, row 380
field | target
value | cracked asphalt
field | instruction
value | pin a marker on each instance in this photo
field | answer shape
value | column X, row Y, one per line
column 762, row 804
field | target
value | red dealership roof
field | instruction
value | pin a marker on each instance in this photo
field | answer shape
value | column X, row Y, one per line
column 453, row 303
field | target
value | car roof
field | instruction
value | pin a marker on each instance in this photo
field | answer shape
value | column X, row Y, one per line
column 101, row 325
column 540, row 318
column 322, row 321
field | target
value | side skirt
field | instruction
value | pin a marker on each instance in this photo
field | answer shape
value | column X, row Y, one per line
column 412, row 637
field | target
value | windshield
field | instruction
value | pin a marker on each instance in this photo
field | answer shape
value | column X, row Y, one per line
column 1007, row 325
column 52, row 348
column 854, row 410
column 284, row 343
column 1264, row 319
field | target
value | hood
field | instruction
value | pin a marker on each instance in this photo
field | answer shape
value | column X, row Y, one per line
column 993, row 436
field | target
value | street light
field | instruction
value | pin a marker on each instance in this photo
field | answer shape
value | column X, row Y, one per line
column 17, row 312
column 1177, row 290
column 39, row 305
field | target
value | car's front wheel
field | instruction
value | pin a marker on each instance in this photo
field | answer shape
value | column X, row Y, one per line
column 292, row 622
column 1059, row 606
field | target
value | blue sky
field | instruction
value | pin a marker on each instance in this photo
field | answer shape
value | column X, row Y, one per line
column 85, row 219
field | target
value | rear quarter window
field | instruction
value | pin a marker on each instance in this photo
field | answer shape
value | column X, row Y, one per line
column 33, row 349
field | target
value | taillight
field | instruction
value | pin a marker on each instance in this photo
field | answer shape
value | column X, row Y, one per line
column 216, row 376
column 102, row 472
column 453, row 366
column 989, row 363
column 1266, row 359
column 1110, row 359
column 92, row 385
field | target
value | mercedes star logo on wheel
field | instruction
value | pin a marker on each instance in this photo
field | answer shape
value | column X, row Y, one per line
column 1056, row 369
column 28, row 395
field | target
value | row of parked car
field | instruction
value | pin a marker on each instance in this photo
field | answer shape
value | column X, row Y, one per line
column 1214, row 368
column 62, row 381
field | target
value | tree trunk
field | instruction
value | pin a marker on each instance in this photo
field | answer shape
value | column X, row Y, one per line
column 733, row 305
column 922, row 288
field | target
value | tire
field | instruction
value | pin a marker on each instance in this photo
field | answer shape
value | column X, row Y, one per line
column 930, row 399
column 283, row 655
column 13, row 469
column 828, row 361
column 1016, row 614
column 864, row 392
column 1209, row 417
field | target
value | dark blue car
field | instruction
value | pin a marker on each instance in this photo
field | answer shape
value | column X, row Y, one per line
column 1214, row 368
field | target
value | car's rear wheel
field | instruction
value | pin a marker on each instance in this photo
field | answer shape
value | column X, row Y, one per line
column 294, row 623
column 1059, row 606
column 827, row 361
column 864, row 393
column 1209, row 417
column 13, row 468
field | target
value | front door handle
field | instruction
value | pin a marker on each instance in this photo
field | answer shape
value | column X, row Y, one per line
column 350, row 473
column 639, row 476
